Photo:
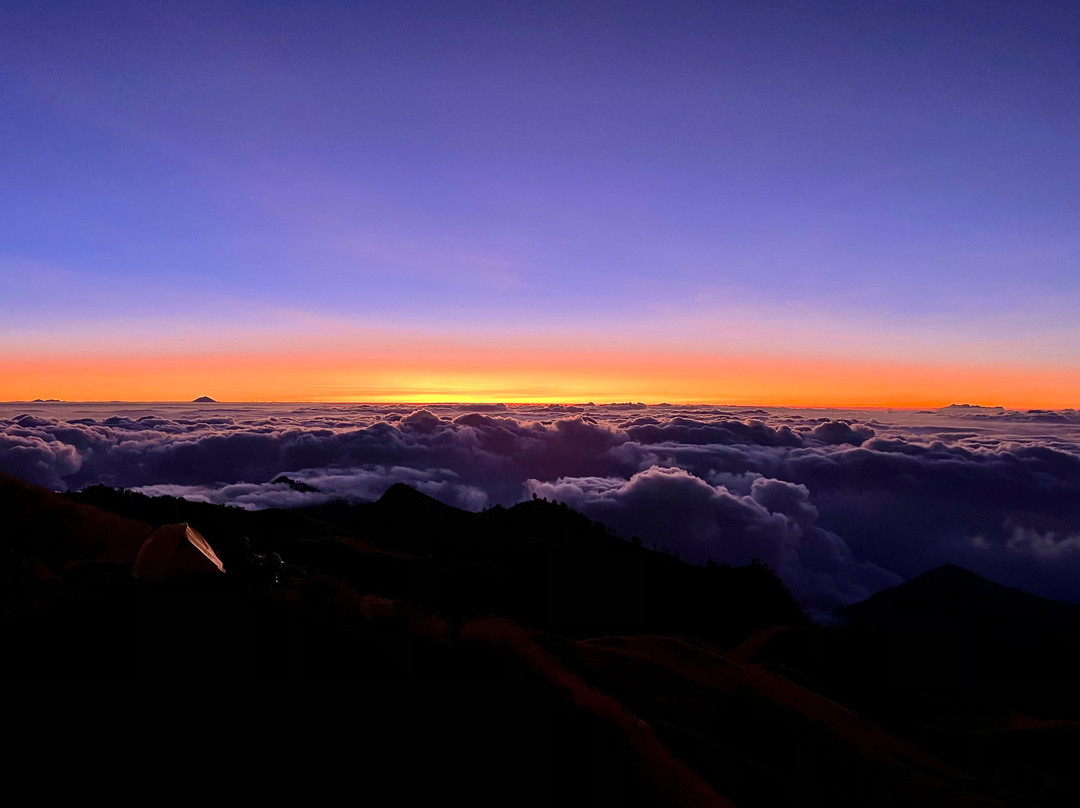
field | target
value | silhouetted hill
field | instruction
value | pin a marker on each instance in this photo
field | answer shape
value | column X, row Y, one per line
column 550, row 567
column 540, row 563
column 954, row 598
column 545, row 661
column 765, row 739
column 950, row 624
column 46, row 535
column 979, row 674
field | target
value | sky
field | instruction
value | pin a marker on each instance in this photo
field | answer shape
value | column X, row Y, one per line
column 776, row 203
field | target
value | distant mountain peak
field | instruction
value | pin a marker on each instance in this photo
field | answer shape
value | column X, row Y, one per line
column 405, row 494
column 204, row 400
column 295, row 485
column 399, row 490
column 959, row 593
column 951, row 572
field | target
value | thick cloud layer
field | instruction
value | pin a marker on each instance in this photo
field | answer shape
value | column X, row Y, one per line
column 775, row 523
column 839, row 503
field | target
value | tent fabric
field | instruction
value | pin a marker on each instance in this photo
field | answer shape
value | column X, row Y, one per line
column 175, row 551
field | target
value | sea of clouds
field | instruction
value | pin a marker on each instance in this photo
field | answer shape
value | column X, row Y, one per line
column 839, row 503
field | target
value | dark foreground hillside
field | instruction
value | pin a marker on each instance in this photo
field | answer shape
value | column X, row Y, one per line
column 540, row 660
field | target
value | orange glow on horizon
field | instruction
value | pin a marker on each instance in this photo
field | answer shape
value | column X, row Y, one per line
column 536, row 377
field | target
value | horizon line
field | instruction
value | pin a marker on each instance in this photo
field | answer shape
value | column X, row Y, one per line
column 560, row 402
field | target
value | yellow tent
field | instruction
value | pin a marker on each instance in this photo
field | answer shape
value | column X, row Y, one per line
column 175, row 551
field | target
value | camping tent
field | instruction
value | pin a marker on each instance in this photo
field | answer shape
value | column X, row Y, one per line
column 175, row 551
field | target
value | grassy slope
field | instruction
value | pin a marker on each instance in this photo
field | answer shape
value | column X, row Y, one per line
column 576, row 666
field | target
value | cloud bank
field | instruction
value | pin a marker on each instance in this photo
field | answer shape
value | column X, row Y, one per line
column 840, row 504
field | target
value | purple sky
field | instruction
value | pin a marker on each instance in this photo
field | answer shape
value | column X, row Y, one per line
column 901, row 174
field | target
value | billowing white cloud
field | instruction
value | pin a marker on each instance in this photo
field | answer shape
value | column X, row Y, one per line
column 774, row 523
column 838, row 502
column 318, row 486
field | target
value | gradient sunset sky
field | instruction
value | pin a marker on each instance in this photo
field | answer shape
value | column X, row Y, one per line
column 800, row 203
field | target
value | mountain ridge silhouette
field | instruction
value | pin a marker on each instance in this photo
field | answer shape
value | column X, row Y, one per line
column 576, row 662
